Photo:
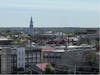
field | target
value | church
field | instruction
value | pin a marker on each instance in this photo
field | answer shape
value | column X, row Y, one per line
column 31, row 29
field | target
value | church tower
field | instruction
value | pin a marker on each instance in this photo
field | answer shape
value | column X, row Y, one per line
column 31, row 29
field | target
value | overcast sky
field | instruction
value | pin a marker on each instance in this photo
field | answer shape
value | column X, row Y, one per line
column 50, row 13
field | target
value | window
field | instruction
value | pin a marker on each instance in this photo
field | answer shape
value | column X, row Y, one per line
column 19, row 64
column 38, row 60
column 19, row 58
column 34, row 55
column 38, row 55
column 19, row 52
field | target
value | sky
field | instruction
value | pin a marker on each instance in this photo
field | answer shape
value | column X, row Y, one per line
column 50, row 13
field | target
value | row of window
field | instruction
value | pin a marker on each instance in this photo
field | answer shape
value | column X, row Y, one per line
column 21, row 59
column 21, row 64
column 52, row 57
column 33, row 60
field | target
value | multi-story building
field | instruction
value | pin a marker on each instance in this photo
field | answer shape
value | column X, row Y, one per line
column 7, row 60
column 20, row 51
column 51, row 54
column 74, row 55
column 8, row 57
column 32, row 55
column 43, row 54
column 53, row 57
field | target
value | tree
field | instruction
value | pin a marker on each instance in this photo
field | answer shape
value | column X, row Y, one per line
column 48, row 69
column 85, row 41
column 14, row 42
column 92, row 59
column 77, row 31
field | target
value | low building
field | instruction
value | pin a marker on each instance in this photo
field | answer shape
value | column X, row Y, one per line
column 52, row 55
column 5, row 41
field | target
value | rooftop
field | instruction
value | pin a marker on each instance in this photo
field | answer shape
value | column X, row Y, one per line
column 4, row 39
column 42, row 66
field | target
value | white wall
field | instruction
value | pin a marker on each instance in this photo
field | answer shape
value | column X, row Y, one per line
column 21, row 57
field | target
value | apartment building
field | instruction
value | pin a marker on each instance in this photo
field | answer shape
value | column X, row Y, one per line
column 7, row 60
column 53, row 57
column 20, row 51
column 52, row 54
column 32, row 55
column 74, row 55
column 43, row 54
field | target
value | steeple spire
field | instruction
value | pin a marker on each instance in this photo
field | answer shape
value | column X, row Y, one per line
column 31, row 21
column 31, row 29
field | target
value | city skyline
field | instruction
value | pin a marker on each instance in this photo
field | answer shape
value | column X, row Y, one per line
column 49, row 13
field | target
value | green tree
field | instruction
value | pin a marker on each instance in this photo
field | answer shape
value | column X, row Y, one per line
column 14, row 42
column 48, row 69
column 92, row 59
column 77, row 31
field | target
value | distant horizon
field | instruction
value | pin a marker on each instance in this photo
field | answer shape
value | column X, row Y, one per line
column 50, row 27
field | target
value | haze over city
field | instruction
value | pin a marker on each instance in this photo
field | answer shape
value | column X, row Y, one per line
column 49, row 13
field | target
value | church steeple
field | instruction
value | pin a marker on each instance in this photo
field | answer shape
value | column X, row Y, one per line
column 31, row 22
column 31, row 19
column 31, row 29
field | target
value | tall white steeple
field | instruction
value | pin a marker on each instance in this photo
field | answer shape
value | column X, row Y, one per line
column 31, row 29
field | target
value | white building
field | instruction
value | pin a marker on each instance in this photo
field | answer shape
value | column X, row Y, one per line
column 20, row 57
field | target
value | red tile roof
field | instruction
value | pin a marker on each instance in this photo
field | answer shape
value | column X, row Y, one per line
column 42, row 65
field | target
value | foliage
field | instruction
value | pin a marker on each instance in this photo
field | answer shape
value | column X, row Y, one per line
column 85, row 41
column 77, row 30
column 14, row 42
column 48, row 69
column 92, row 59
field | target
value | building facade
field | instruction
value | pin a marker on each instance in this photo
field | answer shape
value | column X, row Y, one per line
column 8, row 60
column 74, row 56
column 52, row 57
column 20, row 57
column 32, row 55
